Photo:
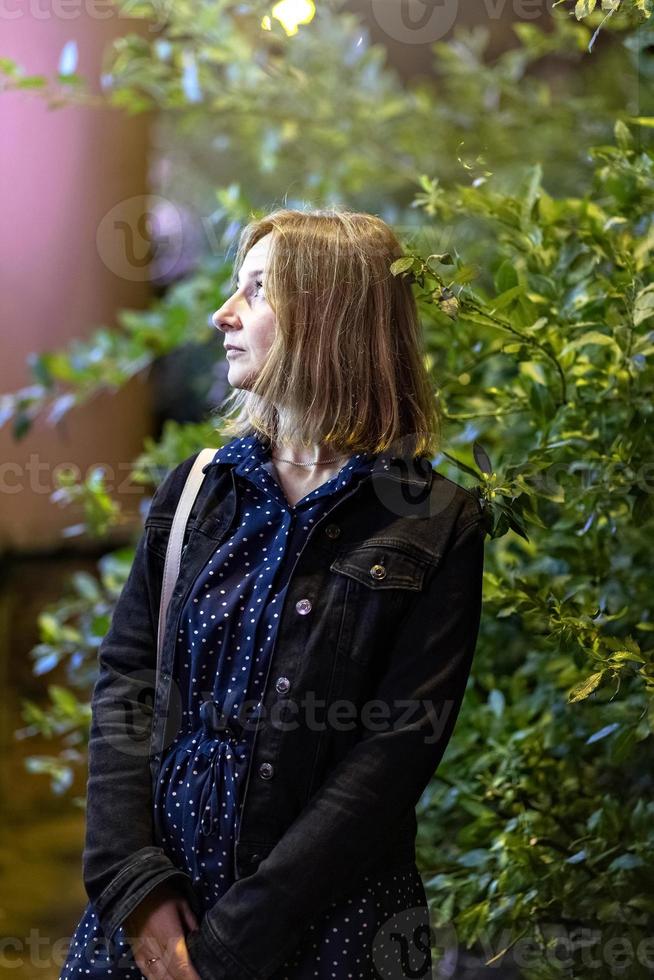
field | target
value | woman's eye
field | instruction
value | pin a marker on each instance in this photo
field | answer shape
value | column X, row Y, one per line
column 258, row 283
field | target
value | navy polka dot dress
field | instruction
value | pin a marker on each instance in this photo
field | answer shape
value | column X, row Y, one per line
column 227, row 631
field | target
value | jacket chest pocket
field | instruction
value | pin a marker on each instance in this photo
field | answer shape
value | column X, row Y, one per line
column 381, row 581
column 157, row 535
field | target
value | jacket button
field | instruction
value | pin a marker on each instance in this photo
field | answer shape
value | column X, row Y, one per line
column 332, row 530
column 303, row 606
column 266, row 770
column 378, row 571
column 282, row 684
column 255, row 858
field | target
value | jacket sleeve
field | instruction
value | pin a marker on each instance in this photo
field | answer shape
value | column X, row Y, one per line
column 121, row 863
column 345, row 828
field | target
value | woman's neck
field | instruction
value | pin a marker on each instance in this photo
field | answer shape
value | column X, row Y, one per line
column 317, row 454
column 297, row 481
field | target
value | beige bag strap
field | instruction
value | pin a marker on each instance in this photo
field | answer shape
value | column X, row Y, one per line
column 176, row 538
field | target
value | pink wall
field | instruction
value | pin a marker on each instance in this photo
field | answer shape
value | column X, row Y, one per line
column 61, row 171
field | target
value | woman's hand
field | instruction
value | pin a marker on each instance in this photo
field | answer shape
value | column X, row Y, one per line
column 158, row 926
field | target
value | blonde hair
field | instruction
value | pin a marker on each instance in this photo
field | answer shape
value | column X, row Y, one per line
column 347, row 364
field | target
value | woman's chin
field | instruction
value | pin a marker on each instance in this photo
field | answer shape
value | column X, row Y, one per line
column 238, row 377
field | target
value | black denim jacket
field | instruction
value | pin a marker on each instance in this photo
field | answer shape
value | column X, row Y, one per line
column 360, row 701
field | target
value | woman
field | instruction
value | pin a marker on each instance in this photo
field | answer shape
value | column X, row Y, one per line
column 266, row 845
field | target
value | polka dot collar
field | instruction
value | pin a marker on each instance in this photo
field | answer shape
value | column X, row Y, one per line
column 251, row 458
column 248, row 452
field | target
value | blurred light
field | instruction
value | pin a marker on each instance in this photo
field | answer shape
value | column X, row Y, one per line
column 163, row 48
column 190, row 83
column 68, row 58
column 290, row 13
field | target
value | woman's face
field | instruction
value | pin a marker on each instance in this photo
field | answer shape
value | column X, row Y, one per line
column 247, row 320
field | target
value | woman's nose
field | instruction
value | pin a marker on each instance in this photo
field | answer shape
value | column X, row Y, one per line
column 227, row 316
column 223, row 319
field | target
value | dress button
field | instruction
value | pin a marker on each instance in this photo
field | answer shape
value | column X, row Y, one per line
column 266, row 770
column 282, row 684
column 332, row 530
column 378, row 571
column 303, row 606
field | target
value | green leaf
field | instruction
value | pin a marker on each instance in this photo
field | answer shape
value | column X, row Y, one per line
column 584, row 7
column 506, row 276
column 496, row 702
column 30, row 82
column 591, row 337
column 87, row 586
column 402, row 265
column 8, row 66
column 506, row 298
column 602, row 733
column 63, row 698
column 626, row 862
column 623, row 136
column 644, row 305
column 582, row 690
column 482, row 459
column 474, row 859
column 443, row 258
column 49, row 627
column 622, row 655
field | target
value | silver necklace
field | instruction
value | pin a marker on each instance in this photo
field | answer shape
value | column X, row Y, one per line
column 321, row 462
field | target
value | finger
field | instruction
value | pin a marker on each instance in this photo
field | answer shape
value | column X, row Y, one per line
column 188, row 916
column 184, row 968
column 154, row 959
column 175, row 964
